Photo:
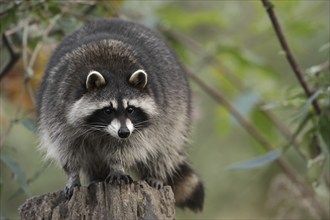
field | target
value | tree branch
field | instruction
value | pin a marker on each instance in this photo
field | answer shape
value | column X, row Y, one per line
column 14, row 56
column 304, row 188
column 212, row 59
column 291, row 59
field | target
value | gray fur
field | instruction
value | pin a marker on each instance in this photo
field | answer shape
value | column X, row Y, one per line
column 116, row 49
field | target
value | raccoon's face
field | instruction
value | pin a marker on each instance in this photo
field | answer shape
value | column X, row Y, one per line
column 118, row 108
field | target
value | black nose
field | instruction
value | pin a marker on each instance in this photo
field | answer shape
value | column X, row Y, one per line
column 123, row 132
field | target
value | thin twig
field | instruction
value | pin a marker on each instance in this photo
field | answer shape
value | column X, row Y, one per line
column 36, row 51
column 41, row 42
column 320, row 68
column 223, row 101
column 31, row 93
column 304, row 188
column 24, row 44
column 16, row 28
column 292, row 61
column 14, row 56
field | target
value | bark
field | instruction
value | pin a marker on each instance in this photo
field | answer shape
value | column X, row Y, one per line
column 103, row 201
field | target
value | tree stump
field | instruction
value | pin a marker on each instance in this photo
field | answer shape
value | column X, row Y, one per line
column 103, row 201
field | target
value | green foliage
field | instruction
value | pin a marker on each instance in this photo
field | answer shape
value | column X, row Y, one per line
column 187, row 20
column 315, row 169
column 9, row 17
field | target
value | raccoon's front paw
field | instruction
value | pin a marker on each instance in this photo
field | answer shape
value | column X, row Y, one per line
column 68, row 190
column 118, row 178
column 155, row 183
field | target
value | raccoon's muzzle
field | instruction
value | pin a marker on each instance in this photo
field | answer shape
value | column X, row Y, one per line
column 123, row 132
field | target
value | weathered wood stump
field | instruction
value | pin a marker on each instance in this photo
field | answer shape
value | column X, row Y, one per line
column 103, row 201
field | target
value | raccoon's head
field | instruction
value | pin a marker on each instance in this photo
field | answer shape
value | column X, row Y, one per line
column 116, row 104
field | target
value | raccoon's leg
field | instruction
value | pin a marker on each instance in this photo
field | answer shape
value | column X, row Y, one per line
column 73, row 179
column 153, row 182
column 187, row 187
column 117, row 175
column 96, row 171
column 149, row 175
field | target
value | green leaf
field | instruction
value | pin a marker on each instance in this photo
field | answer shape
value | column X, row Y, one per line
column 257, row 162
column 54, row 9
column 16, row 169
column 315, row 169
column 30, row 124
column 310, row 101
column 324, row 129
column 246, row 102
column 186, row 20
column 8, row 18
column 262, row 123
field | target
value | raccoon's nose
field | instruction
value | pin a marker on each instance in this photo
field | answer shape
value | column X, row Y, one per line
column 123, row 132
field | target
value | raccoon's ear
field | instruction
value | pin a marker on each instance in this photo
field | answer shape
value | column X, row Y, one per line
column 94, row 80
column 138, row 79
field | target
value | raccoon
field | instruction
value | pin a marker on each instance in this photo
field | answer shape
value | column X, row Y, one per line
column 114, row 98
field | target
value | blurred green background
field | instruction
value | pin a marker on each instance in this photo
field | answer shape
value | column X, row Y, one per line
column 230, row 45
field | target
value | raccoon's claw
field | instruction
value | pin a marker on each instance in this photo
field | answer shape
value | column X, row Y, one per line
column 157, row 184
column 119, row 179
column 68, row 190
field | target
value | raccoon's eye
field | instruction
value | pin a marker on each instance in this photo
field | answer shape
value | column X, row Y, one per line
column 130, row 110
column 107, row 110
